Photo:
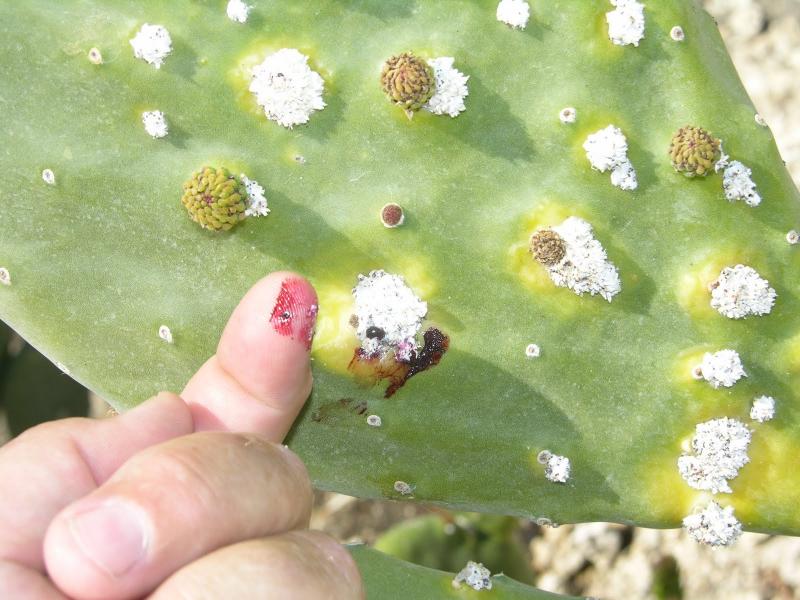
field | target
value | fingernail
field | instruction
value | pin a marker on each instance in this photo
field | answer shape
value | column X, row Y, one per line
column 114, row 536
column 295, row 311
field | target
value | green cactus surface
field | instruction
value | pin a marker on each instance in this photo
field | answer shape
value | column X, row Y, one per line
column 389, row 578
column 507, row 364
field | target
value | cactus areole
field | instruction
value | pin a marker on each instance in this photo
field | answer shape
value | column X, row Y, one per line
column 555, row 285
column 408, row 81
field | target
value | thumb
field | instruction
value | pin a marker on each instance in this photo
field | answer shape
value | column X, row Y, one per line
column 260, row 376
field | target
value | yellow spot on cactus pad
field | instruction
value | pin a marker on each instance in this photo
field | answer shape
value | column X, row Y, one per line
column 692, row 287
column 214, row 198
column 658, row 473
column 531, row 273
column 335, row 338
column 770, row 480
column 789, row 358
column 416, row 270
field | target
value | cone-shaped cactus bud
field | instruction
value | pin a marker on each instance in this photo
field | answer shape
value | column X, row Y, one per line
column 215, row 198
column 694, row 151
column 408, row 81
column 548, row 247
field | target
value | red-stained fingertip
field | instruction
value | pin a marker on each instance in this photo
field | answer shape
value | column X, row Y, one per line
column 261, row 375
column 295, row 311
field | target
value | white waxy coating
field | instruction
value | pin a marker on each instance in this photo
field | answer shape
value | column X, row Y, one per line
column 623, row 176
column 5, row 276
column 256, row 201
column 556, row 468
column 389, row 313
column 677, row 34
column 739, row 185
column 475, row 575
column 403, row 488
column 626, row 22
column 760, row 120
column 585, row 268
column 155, row 124
column 793, row 237
column 152, row 44
column 714, row 526
column 238, row 11
column 722, row 369
column 451, row 88
column 533, row 351
column 740, row 292
column 763, row 409
column 286, row 88
column 95, row 57
column 49, row 177
column 514, row 13
column 374, row 421
column 719, row 450
column 607, row 150
column 165, row 333
column 568, row 115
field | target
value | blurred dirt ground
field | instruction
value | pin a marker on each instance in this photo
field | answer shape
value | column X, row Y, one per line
column 612, row 561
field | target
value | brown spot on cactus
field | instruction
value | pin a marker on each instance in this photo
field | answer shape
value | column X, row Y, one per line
column 408, row 81
column 392, row 215
column 547, row 247
column 694, row 151
column 370, row 369
column 214, row 198
column 343, row 407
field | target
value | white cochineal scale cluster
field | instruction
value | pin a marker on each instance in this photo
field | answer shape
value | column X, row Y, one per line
column 450, row 89
column 152, row 44
column 585, row 267
column 286, row 88
column 626, row 22
column 514, row 13
column 719, row 446
column 387, row 315
column 607, row 150
column 475, row 575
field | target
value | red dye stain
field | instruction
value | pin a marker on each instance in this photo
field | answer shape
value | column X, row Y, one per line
column 372, row 369
column 295, row 312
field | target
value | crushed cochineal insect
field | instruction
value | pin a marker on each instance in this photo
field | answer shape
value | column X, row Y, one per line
column 373, row 369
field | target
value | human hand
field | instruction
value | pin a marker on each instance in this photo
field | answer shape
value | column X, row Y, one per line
column 181, row 497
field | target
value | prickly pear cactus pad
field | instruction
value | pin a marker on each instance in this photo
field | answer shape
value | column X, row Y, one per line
column 551, row 319
column 389, row 578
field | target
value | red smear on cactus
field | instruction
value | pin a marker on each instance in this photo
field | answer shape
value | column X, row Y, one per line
column 372, row 369
column 295, row 311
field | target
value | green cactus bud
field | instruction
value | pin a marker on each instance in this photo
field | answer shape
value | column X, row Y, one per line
column 694, row 151
column 547, row 247
column 214, row 198
column 408, row 81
